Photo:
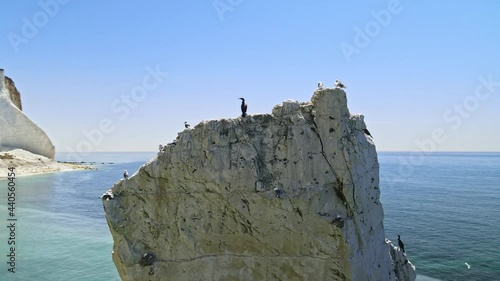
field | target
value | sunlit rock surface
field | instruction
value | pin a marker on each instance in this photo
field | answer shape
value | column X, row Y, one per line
column 205, row 208
column 17, row 130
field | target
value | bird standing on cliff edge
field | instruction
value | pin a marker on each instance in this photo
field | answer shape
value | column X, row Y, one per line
column 320, row 85
column 244, row 107
column 367, row 132
column 277, row 192
column 339, row 84
column 401, row 244
column 125, row 175
column 186, row 125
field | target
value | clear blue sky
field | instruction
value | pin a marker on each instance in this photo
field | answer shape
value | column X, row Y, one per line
column 82, row 57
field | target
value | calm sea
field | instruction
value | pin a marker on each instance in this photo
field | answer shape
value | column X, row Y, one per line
column 61, row 232
column 445, row 206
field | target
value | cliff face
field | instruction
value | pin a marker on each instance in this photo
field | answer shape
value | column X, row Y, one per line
column 17, row 130
column 14, row 94
column 206, row 209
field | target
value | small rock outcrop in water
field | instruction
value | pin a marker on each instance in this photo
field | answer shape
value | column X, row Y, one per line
column 207, row 206
column 401, row 266
column 17, row 130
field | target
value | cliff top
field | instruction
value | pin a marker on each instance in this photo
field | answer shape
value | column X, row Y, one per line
column 291, row 195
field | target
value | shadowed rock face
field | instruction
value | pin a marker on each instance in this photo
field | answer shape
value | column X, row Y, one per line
column 14, row 94
column 205, row 208
column 17, row 130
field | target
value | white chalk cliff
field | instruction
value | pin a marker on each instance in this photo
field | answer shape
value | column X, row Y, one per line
column 205, row 209
column 17, row 130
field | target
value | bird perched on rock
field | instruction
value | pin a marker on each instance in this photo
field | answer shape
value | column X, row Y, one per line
column 147, row 259
column 108, row 195
column 160, row 147
column 401, row 244
column 125, row 175
column 339, row 84
column 277, row 192
column 338, row 221
column 244, row 107
column 186, row 125
column 367, row 132
column 320, row 85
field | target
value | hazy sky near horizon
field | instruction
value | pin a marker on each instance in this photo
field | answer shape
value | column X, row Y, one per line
column 124, row 75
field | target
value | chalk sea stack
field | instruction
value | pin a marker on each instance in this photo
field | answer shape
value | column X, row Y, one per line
column 16, row 129
column 206, row 208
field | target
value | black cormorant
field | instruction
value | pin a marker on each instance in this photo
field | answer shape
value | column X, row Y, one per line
column 125, row 175
column 339, row 84
column 244, row 107
column 186, row 125
column 367, row 132
column 401, row 244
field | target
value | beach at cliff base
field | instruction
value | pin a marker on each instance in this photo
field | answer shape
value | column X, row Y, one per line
column 27, row 163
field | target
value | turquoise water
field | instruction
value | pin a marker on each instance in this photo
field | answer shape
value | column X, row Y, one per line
column 445, row 207
column 61, row 232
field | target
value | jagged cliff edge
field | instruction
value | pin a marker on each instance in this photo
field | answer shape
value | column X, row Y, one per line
column 205, row 209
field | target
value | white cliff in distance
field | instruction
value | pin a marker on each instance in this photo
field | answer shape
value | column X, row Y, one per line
column 205, row 208
column 17, row 130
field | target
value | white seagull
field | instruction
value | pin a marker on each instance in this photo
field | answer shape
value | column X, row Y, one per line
column 468, row 265
column 339, row 84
